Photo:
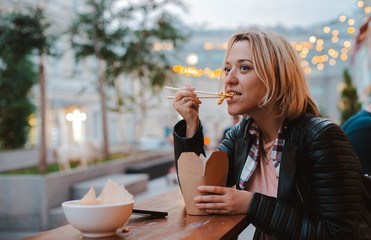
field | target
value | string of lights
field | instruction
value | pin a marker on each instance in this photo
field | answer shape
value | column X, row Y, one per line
column 320, row 49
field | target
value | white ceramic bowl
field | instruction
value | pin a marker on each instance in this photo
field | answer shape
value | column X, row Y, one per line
column 97, row 220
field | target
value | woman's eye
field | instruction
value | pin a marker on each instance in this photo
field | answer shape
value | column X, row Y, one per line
column 244, row 68
column 227, row 69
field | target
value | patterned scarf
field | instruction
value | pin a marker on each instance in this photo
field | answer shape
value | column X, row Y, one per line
column 253, row 156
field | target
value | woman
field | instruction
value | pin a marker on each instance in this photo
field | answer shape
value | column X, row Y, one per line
column 295, row 174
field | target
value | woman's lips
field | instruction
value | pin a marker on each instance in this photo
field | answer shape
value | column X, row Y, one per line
column 233, row 98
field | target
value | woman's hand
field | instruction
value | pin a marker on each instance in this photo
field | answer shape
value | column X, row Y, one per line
column 223, row 200
column 186, row 104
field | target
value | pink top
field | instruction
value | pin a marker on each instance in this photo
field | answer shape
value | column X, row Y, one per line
column 264, row 179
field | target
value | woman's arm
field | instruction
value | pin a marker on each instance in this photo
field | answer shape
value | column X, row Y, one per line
column 196, row 144
column 183, row 144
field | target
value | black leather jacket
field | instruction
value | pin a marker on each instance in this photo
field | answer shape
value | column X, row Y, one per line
column 319, row 190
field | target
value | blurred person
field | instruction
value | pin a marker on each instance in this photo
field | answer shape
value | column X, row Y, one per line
column 358, row 130
column 291, row 171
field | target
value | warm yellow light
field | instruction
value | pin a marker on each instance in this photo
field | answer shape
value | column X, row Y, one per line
column 212, row 75
column 69, row 117
column 76, row 115
column 320, row 59
column 177, row 68
column 186, row 72
column 298, row 47
column 307, row 70
column 162, row 46
column 320, row 42
column 342, row 18
column 308, row 45
column 351, row 21
column 169, row 46
column 319, row 48
column 351, row 30
column 325, row 58
column 192, row 59
column 208, row 46
column 182, row 70
column 304, row 64
column 331, row 52
column 32, row 119
column 302, row 55
column 157, row 47
column 315, row 60
column 343, row 57
column 360, row 3
column 320, row 66
column 326, row 29
column 335, row 32
column 332, row 62
column 305, row 50
column 312, row 39
column 193, row 71
column 334, row 39
column 367, row 9
column 215, row 45
column 347, row 44
column 336, row 54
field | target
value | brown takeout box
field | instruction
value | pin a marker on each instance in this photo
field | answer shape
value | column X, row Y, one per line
column 194, row 171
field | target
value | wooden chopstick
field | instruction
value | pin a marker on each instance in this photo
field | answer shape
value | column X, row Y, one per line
column 172, row 97
column 201, row 92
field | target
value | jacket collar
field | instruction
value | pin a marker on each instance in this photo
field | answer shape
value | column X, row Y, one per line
column 288, row 159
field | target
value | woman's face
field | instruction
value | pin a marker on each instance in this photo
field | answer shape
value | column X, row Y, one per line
column 242, row 80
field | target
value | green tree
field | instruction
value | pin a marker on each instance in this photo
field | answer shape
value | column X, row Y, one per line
column 17, row 76
column 144, row 60
column 93, row 34
column 123, row 44
column 24, row 35
column 349, row 104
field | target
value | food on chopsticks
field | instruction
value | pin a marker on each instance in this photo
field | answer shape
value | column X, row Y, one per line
column 125, row 230
column 224, row 96
column 221, row 95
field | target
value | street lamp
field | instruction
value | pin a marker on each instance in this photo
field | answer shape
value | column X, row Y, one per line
column 76, row 117
column 192, row 59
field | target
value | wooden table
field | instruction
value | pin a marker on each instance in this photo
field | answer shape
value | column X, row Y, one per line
column 177, row 225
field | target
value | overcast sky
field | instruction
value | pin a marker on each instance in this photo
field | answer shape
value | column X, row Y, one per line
column 212, row 14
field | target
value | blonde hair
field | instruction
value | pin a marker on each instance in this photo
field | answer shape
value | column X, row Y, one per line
column 278, row 66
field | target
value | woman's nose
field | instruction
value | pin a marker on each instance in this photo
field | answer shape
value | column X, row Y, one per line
column 230, row 79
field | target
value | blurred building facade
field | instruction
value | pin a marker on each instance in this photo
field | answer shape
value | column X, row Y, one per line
column 73, row 110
